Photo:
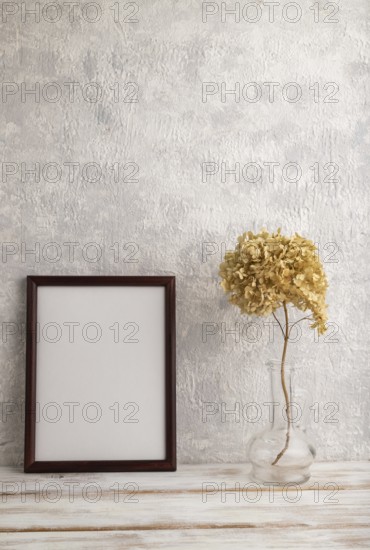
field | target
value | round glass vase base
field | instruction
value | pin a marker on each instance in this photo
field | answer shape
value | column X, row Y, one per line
column 280, row 475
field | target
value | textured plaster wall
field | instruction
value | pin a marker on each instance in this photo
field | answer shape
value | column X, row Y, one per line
column 178, row 222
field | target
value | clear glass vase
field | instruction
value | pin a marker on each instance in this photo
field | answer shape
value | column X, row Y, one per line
column 282, row 453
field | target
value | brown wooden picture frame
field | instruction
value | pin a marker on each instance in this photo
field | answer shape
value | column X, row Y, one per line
column 169, row 462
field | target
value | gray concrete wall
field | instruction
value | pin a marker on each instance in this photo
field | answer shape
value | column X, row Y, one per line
column 149, row 107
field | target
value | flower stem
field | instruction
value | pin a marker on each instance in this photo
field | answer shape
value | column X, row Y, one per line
column 286, row 395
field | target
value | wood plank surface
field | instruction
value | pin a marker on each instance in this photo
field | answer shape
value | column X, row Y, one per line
column 198, row 506
column 215, row 539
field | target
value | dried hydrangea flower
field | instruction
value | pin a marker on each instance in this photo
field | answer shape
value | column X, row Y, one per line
column 268, row 271
column 265, row 270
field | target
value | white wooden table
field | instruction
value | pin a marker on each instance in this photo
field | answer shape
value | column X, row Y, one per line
column 199, row 507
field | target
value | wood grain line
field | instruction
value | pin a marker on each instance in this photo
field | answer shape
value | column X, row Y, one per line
column 184, row 527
